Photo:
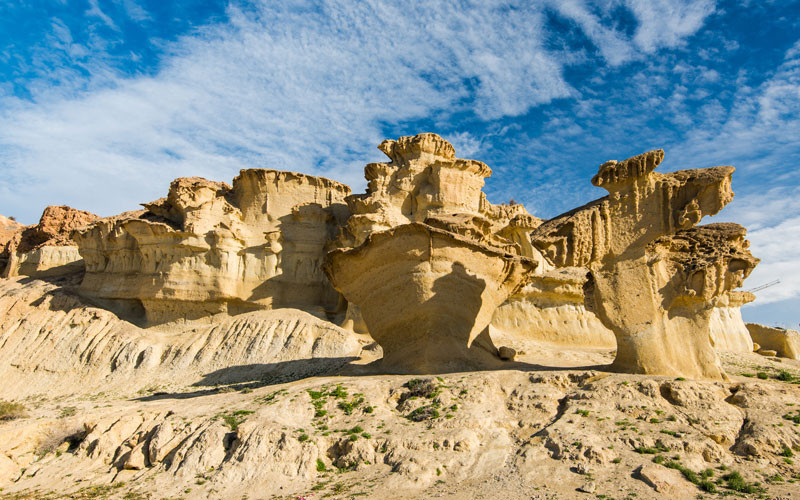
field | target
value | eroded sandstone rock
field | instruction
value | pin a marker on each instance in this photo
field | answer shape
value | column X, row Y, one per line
column 427, row 259
column 551, row 309
column 728, row 330
column 427, row 295
column 209, row 248
column 654, row 277
column 8, row 227
column 785, row 343
column 46, row 248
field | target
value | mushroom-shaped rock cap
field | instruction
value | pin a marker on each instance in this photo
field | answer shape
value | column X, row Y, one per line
column 413, row 146
column 432, row 146
column 613, row 173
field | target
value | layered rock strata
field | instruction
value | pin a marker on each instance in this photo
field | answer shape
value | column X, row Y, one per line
column 551, row 309
column 211, row 248
column 47, row 249
column 53, row 342
column 653, row 278
column 427, row 259
column 785, row 343
column 728, row 330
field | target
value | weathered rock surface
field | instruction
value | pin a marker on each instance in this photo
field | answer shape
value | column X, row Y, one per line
column 426, row 295
column 654, row 278
column 785, row 343
column 51, row 342
column 210, row 248
column 47, row 249
column 551, row 309
column 8, row 227
column 728, row 330
column 503, row 433
column 427, row 260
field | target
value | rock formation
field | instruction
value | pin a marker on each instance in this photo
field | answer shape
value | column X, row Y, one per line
column 8, row 227
column 210, row 248
column 653, row 276
column 427, row 259
column 727, row 328
column 46, row 249
column 54, row 342
column 785, row 343
column 551, row 309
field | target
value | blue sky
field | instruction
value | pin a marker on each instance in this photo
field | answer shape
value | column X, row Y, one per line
column 103, row 102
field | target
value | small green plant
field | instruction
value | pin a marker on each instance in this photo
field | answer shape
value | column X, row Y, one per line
column 616, row 460
column 787, row 452
column 10, row 410
column 681, row 379
column 670, row 433
column 762, row 375
column 426, row 412
column 302, row 437
column 67, row 411
column 366, row 435
column 582, row 413
column 339, row 392
column 734, row 481
column 233, row 420
column 785, row 376
column 659, row 447
column 321, row 466
column 348, row 406
column 793, row 417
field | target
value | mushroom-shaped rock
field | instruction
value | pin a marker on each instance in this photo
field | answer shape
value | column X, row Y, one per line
column 653, row 279
column 427, row 295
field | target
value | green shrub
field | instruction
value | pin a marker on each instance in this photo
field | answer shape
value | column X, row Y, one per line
column 762, row 375
column 321, row 466
column 734, row 481
column 348, row 406
column 426, row 412
column 658, row 448
column 707, row 486
column 10, row 410
column 302, row 437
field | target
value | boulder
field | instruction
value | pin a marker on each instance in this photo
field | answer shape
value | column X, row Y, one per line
column 785, row 343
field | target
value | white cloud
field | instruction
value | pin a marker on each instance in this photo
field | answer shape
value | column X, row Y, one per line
column 307, row 87
column 667, row 23
column 95, row 11
column 780, row 260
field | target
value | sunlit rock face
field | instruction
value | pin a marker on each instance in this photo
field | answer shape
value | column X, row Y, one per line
column 46, row 249
column 427, row 259
column 427, row 295
column 785, row 342
column 551, row 309
column 210, row 248
column 728, row 330
column 654, row 277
